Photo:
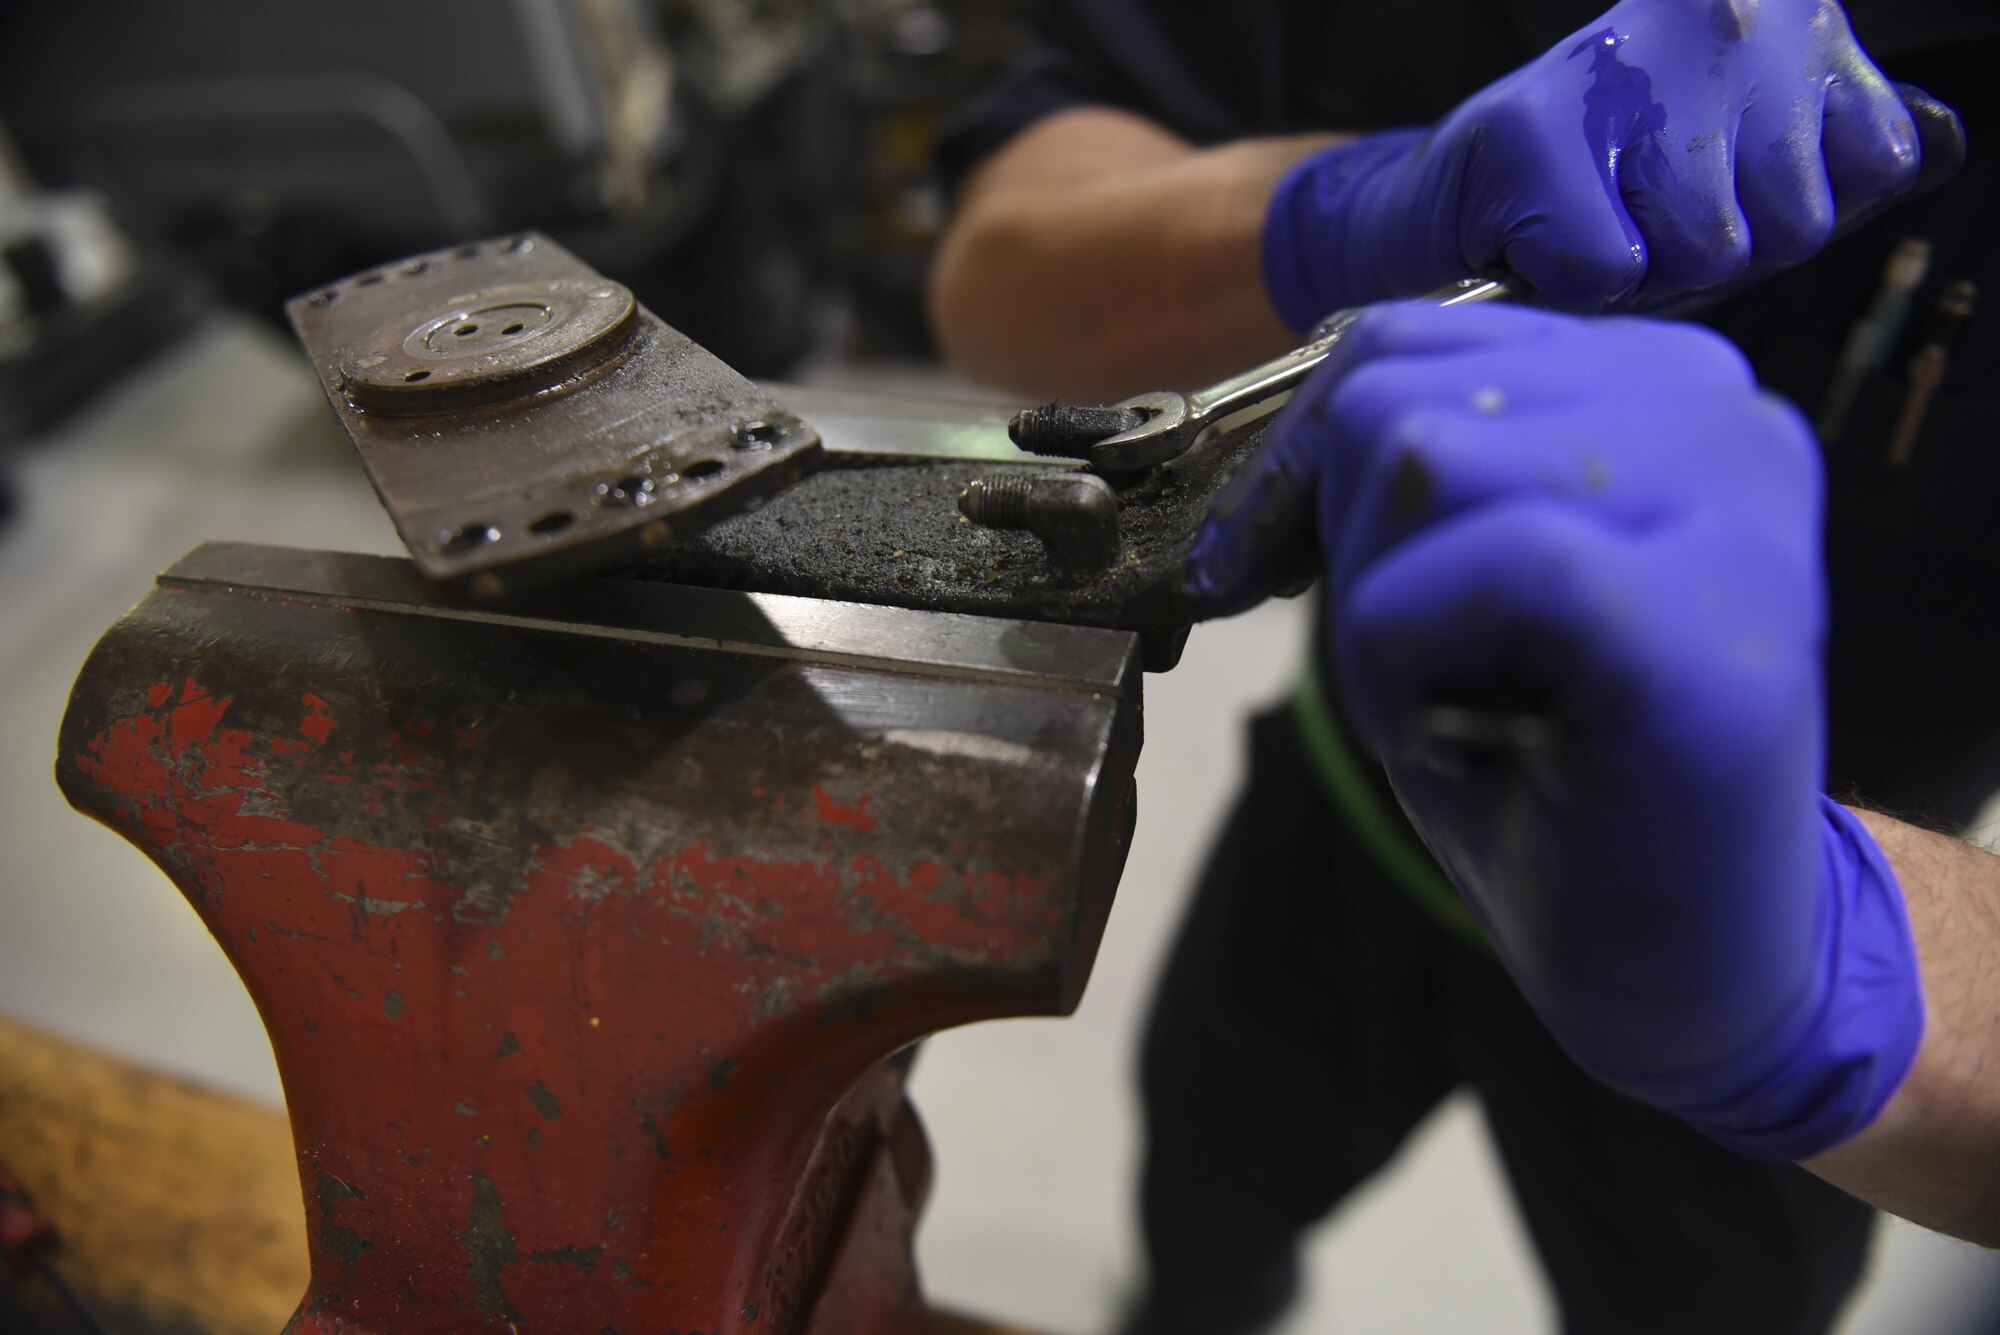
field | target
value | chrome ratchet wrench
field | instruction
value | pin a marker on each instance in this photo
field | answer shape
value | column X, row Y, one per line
column 1152, row 428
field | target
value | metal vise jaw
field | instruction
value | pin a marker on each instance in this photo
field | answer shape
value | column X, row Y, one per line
column 586, row 929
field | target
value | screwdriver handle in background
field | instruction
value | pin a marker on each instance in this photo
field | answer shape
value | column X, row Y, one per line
column 1929, row 366
column 1874, row 335
column 1954, row 307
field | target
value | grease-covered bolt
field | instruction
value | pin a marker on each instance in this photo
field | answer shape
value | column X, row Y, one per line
column 1067, row 431
column 1074, row 514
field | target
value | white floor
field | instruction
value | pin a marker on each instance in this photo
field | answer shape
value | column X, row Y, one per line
column 1034, row 1122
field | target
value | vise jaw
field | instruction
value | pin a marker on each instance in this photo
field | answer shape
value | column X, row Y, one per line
column 587, row 928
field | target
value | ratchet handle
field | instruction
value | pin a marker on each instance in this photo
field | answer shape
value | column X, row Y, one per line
column 1267, row 386
column 1464, row 292
column 1154, row 428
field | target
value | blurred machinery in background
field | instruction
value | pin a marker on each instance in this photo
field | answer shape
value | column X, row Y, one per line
column 909, row 64
column 77, row 303
column 738, row 163
column 70, row 286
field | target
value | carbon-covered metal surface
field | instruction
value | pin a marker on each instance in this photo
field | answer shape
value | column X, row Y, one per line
column 891, row 533
column 523, row 419
column 582, row 929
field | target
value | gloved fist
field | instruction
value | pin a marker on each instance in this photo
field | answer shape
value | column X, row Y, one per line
column 1607, row 523
column 1672, row 148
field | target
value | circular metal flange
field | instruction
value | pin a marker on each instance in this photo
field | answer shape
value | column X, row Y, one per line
column 490, row 346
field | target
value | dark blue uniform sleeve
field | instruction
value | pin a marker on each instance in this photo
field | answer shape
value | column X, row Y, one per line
column 1203, row 70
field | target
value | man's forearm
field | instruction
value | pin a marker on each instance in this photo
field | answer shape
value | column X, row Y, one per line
column 1098, row 256
column 1933, row 1156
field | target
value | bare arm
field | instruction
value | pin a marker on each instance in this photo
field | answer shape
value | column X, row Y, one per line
column 1098, row 256
column 1933, row 1156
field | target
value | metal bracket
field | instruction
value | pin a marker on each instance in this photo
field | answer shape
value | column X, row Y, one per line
column 524, row 419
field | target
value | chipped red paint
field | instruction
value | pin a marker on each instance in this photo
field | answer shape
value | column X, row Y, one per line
column 317, row 725
column 830, row 812
column 583, row 955
column 594, row 1097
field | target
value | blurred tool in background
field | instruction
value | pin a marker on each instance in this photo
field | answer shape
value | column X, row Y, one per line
column 746, row 166
column 77, row 303
column 1874, row 335
column 1930, row 364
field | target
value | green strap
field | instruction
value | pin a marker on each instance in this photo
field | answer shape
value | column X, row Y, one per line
column 1386, row 838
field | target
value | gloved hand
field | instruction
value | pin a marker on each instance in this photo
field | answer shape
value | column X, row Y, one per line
column 1671, row 148
column 1609, row 520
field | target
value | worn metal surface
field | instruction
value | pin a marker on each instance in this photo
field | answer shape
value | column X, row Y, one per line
column 523, row 419
column 582, row 931
column 892, row 534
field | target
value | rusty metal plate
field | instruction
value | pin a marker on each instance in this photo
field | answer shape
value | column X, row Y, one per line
column 461, row 377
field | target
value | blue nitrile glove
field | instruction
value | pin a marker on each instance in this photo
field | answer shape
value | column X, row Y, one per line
column 1608, row 523
column 1671, row 148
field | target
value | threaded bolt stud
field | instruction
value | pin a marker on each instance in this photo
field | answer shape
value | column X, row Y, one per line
column 1074, row 514
column 1065, row 431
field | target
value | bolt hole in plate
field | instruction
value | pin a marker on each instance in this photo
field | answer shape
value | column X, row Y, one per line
column 634, row 490
column 490, row 327
column 758, row 436
column 505, row 380
column 467, row 538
